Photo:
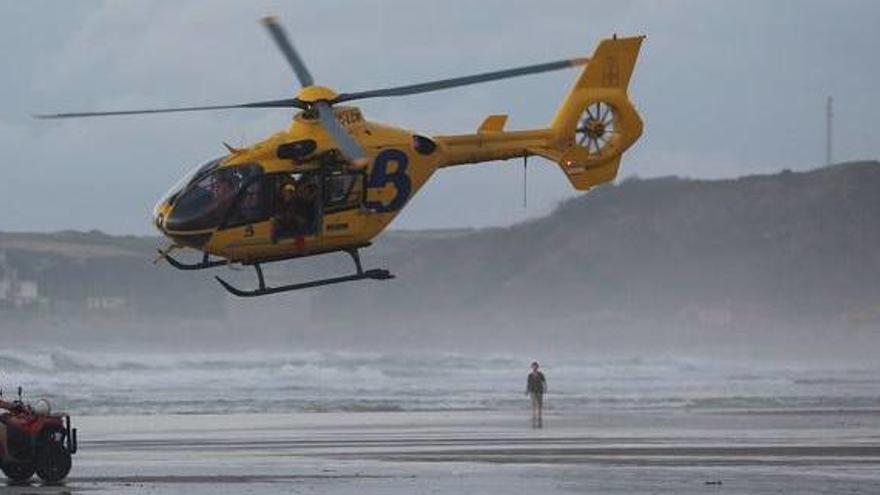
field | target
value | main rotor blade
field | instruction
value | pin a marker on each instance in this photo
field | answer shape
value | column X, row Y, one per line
column 347, row 144
column 290, row 53
column 413, row 89
column 285, row 103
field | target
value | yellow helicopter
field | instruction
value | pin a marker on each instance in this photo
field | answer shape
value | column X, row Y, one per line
column 332, row 181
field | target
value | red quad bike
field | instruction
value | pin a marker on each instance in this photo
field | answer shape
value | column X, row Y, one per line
column 33, row 440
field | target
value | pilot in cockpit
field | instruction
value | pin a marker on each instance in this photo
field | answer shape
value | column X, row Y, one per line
column 224, row 192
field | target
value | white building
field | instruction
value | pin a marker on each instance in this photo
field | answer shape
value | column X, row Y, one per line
column 15, row 292
column 106, row 303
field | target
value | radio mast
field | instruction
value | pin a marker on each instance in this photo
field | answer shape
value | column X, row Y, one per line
column 829, row 122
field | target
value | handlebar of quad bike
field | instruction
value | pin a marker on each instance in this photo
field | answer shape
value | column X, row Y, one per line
column 70, row 436
column 15, row 407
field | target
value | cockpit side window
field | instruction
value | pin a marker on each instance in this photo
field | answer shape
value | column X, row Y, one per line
column 253, row 205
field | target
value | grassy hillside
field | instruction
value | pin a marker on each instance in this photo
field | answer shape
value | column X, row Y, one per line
column 779, row 253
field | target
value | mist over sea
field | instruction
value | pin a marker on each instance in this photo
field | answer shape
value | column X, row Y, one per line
column 98, row 383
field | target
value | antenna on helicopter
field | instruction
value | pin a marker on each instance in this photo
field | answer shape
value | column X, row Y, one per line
column 525, row 181
column 230, row 148
column 19, row 393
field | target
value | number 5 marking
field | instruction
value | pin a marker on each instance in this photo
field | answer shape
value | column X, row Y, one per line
column 381, row 177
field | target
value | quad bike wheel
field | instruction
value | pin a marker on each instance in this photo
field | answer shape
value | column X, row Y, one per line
column 55, row 464
column 18, row 472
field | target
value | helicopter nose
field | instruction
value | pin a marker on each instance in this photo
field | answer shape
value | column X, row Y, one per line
column 159, row 221
column 159, row 215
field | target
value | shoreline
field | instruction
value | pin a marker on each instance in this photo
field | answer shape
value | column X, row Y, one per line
column 480, row 452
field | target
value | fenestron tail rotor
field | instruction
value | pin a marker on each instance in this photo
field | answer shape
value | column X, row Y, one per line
column 318, row 101
column 596, row 127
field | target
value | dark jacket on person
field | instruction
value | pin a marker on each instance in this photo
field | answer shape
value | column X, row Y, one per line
column 536, row 383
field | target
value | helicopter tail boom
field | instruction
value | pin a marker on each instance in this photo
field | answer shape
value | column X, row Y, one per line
column 593, row 127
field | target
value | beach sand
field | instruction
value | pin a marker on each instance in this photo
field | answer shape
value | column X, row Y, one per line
column 802, row 452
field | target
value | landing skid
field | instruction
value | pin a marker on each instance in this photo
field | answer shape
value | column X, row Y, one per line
column 264, row 290
column 205, row 263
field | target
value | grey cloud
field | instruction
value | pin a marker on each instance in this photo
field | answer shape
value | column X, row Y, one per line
column 725, row 88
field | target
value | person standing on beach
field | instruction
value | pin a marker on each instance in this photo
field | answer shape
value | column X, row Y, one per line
column 536, row 385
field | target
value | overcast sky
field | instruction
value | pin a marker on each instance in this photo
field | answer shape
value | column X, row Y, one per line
column 725, row 87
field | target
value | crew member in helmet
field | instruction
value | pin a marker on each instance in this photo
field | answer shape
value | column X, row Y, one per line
column 305, row 207
column 536, row 386
column 284, row 221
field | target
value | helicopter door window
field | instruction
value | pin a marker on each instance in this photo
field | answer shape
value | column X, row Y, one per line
column 296, row 212
column 253, row 204
column 343, row 191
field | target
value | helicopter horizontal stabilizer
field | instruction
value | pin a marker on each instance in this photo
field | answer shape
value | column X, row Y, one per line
column 493, row 123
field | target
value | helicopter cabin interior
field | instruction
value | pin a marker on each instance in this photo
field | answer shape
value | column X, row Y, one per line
column 295, row 202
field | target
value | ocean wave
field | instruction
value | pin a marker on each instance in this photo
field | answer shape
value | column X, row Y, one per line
column 13, row 362
column 784, row 402
column 310, row 381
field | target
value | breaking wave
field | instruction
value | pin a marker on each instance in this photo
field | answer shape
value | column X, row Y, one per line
column 253, row 381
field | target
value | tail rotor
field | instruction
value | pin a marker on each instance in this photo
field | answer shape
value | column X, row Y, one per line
column 596, row 130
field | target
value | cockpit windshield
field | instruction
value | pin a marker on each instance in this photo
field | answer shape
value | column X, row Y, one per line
column 205, row 201
column 191, row 176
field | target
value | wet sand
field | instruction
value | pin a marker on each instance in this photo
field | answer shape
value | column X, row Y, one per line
column 804, row 452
